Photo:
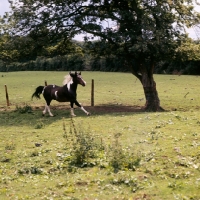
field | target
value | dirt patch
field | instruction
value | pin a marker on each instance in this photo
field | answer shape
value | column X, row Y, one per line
column 100, row 109
column 92, row 109
column 114, row 109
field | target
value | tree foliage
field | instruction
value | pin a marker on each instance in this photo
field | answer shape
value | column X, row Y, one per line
column 149, row 29
column 188, row 51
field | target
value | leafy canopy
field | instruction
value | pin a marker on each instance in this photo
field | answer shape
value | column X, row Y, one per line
column 138, row 29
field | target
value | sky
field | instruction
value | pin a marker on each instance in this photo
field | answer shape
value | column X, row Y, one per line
column 4, row 7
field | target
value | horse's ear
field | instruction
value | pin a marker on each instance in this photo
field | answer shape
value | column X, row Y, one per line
column 71, row 74
column 75, row 72
column 79, row 73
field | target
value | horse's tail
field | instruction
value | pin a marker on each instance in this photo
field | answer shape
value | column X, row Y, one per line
column 37, row 92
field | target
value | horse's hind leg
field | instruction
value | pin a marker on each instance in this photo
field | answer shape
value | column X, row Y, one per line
column 47, row 108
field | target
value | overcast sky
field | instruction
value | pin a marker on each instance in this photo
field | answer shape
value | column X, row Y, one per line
column 4, row 7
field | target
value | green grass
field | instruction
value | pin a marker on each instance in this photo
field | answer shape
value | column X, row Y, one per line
column 166, row 142
column 175, row 92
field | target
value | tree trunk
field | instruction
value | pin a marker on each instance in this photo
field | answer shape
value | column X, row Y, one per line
column 145, row 74
column 151, row 94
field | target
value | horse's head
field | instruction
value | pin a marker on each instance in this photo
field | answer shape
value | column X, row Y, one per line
column 77, row 78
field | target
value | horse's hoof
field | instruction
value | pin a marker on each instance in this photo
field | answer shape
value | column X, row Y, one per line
column 73, row 115
column 88, row 114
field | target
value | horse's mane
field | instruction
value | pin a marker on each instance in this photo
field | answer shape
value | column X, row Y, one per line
column 67, row 79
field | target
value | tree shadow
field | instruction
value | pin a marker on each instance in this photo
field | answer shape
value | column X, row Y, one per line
column 14, row 118
column 111, row 109
column 102, row 109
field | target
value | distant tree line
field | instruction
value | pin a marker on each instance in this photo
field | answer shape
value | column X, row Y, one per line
column 178, row 68
column 31, row 53
column 57, row 63
column 108, row 64
column 83, row 60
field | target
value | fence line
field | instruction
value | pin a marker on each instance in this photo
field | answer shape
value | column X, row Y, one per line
column 92, row 93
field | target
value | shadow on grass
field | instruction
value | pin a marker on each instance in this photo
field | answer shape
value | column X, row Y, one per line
column 104, row 109
column 9, row 117
column 109, row 109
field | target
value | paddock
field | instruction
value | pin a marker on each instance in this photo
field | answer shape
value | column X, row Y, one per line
column 109, row 89
column 133, row 154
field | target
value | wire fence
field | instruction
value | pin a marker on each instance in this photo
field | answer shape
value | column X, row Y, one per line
column 94, row 97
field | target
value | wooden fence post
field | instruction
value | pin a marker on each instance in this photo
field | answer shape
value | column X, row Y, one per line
column 92, row 93
column 7, row 98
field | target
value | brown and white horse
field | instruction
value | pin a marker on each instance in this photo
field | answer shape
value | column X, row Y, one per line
column 66, row 93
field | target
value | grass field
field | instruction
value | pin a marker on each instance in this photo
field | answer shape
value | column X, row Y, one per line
column 130, row 154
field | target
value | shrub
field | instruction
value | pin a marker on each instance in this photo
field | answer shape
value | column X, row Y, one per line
column 24, row 109
column 122, row 158
column 84, row 146
column 86, row 150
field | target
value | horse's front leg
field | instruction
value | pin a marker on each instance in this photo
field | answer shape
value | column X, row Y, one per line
column 80, row 106
column 72, row 109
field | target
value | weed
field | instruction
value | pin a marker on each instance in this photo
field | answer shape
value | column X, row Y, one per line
column 39, row 125
column 5, row 159
column 23, row 109
column 84, row 146
column 34, row 154
column 122, row 159
column 10, row 146
column 30, row 170
column 64, row 130
column 86, row 151
column 175, row 185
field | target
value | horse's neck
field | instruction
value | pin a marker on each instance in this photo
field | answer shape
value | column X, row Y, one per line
column 72, row 86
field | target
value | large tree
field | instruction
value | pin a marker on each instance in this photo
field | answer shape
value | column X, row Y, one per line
column 141, row 31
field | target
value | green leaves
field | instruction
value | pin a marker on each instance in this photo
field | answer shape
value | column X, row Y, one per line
column 139, row 29
column 188, row 51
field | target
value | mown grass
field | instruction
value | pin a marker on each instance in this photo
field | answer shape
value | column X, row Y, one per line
column 37, row 154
